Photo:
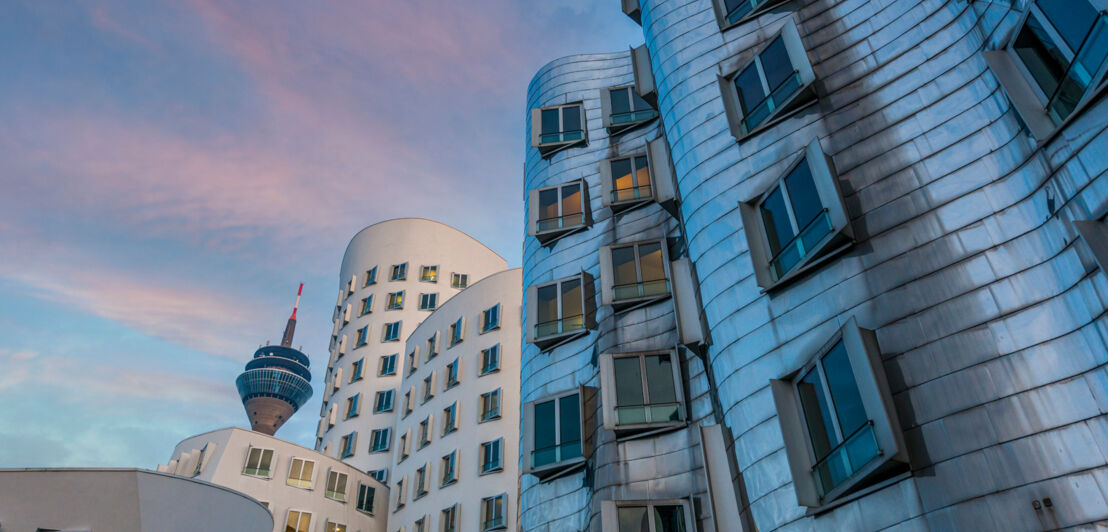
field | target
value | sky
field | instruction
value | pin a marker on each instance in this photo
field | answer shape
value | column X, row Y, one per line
column 169, row 171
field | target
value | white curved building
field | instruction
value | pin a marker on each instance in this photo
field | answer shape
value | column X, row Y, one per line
column 457, row 436
column 394, row 273
column 303, row 489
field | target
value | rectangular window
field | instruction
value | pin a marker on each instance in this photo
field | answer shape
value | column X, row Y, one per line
column 420, row 525
column 258, row 462
column 559, row 209
column 490, row 405
column 379, row 474
column 428, row 301
column 298, row 521
column 645, row 516
column 421, row 482
column 429, row 274
column 357, row 369
column 365, row 498
column 630, row 179
column 370, row 276
column 367, row 305
column 490, row 456
column 402, row 446
column 383, row 401
column 556, row 431
column 425, row 432
column 490, row 359
column 638, row 272
column 413, row 362
column 361, row 338
column 450, row 380
column 457, row 331
column 334, row 527
column 490, row 318
column 408, row 402
column 560, row 308
column 300, row 473
column 1061, row 48
column 732, row 12
column 450, row 419
column 432, row 347
column 492, row 513
column 353, row 405
column 387, row 365
column 641, row 389
column 428, row 388
column 391, row 332
column 449, row 468
column 399, row 272
column 836, row 418
column 381, row 440
column 401, row 494
column 459, row 280
column 336, row 486
column 777, row 80
column 798, row 219
column 347, row 445
column 564, row 124
column 627, row 108
column 449, row 518
column 396, row 301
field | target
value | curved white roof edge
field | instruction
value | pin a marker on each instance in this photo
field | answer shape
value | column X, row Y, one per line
column 420, row 220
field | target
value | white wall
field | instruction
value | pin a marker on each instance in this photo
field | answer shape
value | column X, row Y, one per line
column 504, row 288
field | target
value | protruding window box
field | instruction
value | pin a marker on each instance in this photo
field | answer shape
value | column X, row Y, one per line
column 838, row 419
column 631, row 8
column 642, row 392
column 644, row 74
column 560, row 311
column 731, row 13
column 556, row 128
column 623, row 109
column 637, row 180
column 558, row 211
column 769, row 86
column 555, row 439
column 1054, row 62
column 799, row 221
column 634, row 274
column 1095, row 235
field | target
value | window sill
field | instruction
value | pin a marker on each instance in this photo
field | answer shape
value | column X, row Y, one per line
column 551, row 236
column 627, row 305
column 490, row 329
column 550, row 472
column 451, row 482
column 259, row 477
column 806, row 267
column 419, row 496
column 489, row 372
column 487, row 419
column 548, row 343
column 494, row 470
column 844, row 499
column 1020, row 93
column 646, row 430
column 619, row 129
column 787, row 110
column 378, row 451
column 548, row 150
column 621, row 207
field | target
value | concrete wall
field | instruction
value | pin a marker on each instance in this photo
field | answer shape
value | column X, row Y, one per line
column 122, row 500
column 418, row 242
column 989, row 312
column 225, row 458
column 502, row 288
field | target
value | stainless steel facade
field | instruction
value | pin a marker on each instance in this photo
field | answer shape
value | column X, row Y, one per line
column 989, row 310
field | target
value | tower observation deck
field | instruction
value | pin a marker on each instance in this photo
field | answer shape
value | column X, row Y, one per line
column 276, row 382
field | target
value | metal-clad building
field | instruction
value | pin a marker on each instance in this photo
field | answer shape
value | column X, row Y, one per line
column 894, row 213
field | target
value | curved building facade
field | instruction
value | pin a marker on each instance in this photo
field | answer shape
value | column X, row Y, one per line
column 614, row 392
column 457, row 433
column 896, row 211
column 394, row 274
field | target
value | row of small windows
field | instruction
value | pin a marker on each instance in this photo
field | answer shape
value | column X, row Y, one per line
column 559, row 127
column 260, row 463
column 492, row 516
column 399, row 272
column 395, row 301
column 489, row 461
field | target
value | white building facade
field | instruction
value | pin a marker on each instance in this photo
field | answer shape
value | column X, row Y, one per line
column 393, row 275
column 304, row 490
column 122, row 500
column 457, row 432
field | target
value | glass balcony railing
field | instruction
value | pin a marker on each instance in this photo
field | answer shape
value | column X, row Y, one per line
column 493, row 524
column 560, row 326
column 632, row 193
column 633, row 116
column 658, row 287
column 557, row 453
column 561, row 222
column 800, row 246
column 763, row 110
column 561, row 136
column 846, row 459
column 1080, row 72
column 653, row 413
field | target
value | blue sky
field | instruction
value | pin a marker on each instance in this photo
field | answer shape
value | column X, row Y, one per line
column 171, row 171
